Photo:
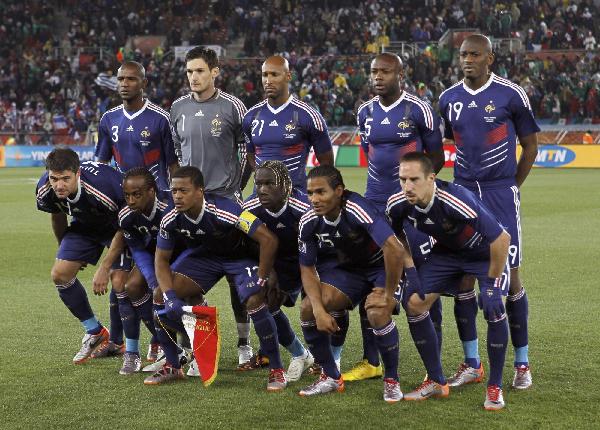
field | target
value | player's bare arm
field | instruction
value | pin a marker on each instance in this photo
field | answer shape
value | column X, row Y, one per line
column 59, row 225
column 530, row 146
column 325, row 159
column 438, row 159
column 101, row 277
column 251, row 159
column 173, row 167
column 268, row 250
column 499, row 254
column 393, row 255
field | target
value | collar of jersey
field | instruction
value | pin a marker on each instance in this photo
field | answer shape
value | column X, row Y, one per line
column 280, row 108
column 335, row 222
column 197, row 220
column 393, row 105
column 478, row 90
column 135, row 114
column 430, row 204
column 78, row 195
column 151, row 216
column 278, row 213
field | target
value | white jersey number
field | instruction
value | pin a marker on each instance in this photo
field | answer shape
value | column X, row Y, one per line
column 255, row 124
column 115, row 133
column 457, row 108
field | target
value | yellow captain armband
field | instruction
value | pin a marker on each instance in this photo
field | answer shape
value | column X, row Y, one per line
column 245, row 221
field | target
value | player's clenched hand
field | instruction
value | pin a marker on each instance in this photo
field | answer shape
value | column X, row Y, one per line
column 326, row 323
column 173, row 305
column 100, row 281
column 490, row 300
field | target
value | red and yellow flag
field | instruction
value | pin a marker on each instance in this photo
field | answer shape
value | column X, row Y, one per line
column 207, row 342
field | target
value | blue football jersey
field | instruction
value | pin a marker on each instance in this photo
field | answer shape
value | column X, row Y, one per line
column 355, row 238
column 455, row 218
column 484, row 125
column 286, row 134
column 140, row 230
column 95, row 206
column 138, row 139
column 387, row 133
column 220, row 229
column 285, row 223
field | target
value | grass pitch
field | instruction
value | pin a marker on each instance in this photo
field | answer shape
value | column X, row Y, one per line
column 41, row 388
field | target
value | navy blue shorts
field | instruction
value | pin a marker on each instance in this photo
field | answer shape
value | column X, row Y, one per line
column 442, row 273
column 288, row 280
column 79, row 247
column 355, row 284
column 206, row 271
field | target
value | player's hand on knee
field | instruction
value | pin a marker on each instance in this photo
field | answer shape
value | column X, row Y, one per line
column 412, row 285
column 377, row 299
column 173, row 305
column 100, row 281
column 326, row 323
column 490, row 300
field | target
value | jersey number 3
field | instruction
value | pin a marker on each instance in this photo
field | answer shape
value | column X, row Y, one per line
column 115, row 133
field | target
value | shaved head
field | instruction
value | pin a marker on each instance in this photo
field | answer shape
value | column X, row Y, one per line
column 277, row 61
column 276, row 77
column 141, row 71
column 476, row 58
column 481, row 41
column 392, row 59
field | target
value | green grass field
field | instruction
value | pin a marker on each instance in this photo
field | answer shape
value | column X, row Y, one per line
column 41, row 388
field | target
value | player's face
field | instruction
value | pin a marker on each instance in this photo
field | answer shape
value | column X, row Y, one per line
column 200, row 76
column 275, row 80
column 130, row 84
column 326, row 201
column 474, row 59
column 64, row 183
column 417, row 187
column 385, row 77
column 186, row 195
column 271, row 196
column 138, row 195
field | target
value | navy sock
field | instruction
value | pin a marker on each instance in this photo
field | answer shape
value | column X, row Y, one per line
column 435, row 312
column 129, row 318
column 285, row 334
column 370, row 351
column 75, row 299
column 465, row 313
column 116, row 326
column 319, row 344
column 496, row 346
column 266, row 330
column 342, row 318
column 168, row 346
column 157, row 307
column 423, row 334
column 143, row 310
column 517, row 310
column 388, row 344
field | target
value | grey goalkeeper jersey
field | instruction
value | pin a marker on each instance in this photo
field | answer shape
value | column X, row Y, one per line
column 208, row 135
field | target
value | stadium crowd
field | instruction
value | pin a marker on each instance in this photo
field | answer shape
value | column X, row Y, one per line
column 44, row 89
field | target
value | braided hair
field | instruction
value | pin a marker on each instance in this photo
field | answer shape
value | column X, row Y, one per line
column 143, row 172
column 282, row 176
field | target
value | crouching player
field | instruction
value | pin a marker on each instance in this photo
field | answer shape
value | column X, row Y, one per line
column 215, row 230
column 280, row 207
column 469, row 241
column 91, row 194
column 348, row 252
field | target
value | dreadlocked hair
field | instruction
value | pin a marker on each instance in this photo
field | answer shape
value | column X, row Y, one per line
column 143, row 172
column 282, row 176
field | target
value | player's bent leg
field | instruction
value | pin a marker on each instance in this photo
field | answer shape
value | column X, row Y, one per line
column 517, row 310
column 115, row 346
column 73, row 295
column 242, row 320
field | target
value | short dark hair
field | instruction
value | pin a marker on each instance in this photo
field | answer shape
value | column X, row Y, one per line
column 191, row 172
column 333, row 175
column 422, row 158
column 144, row 173
column 61, row 159
column 207, row 54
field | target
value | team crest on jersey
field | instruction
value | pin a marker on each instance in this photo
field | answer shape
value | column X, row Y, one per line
column 145, row 133
column 405, row 127
column 215, row 128
column 404, row 124
column 289, row 128
column 489, row 108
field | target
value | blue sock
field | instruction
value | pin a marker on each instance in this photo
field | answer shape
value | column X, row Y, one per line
column 319, row 344
column 116, row 326
column 143, row 310
column 285, row 334
column 266, row 330
column 370, row 351
column 130, row 320
column 132, row 345
column 435, row 312
column 75, row 299
column 465, row 313
column 496, row 346
column 388, row 344
column 423, row 334
column 517, row 310
column 342, row 318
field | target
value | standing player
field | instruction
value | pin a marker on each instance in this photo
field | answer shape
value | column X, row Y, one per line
column 280, row 207
column 392, row 124
column 135, row 133
column 91, row 194
column 284, row 128
column 216, row 230
column 485, row 115
column 469, row 241
column 348, row 252
column 207, row 131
